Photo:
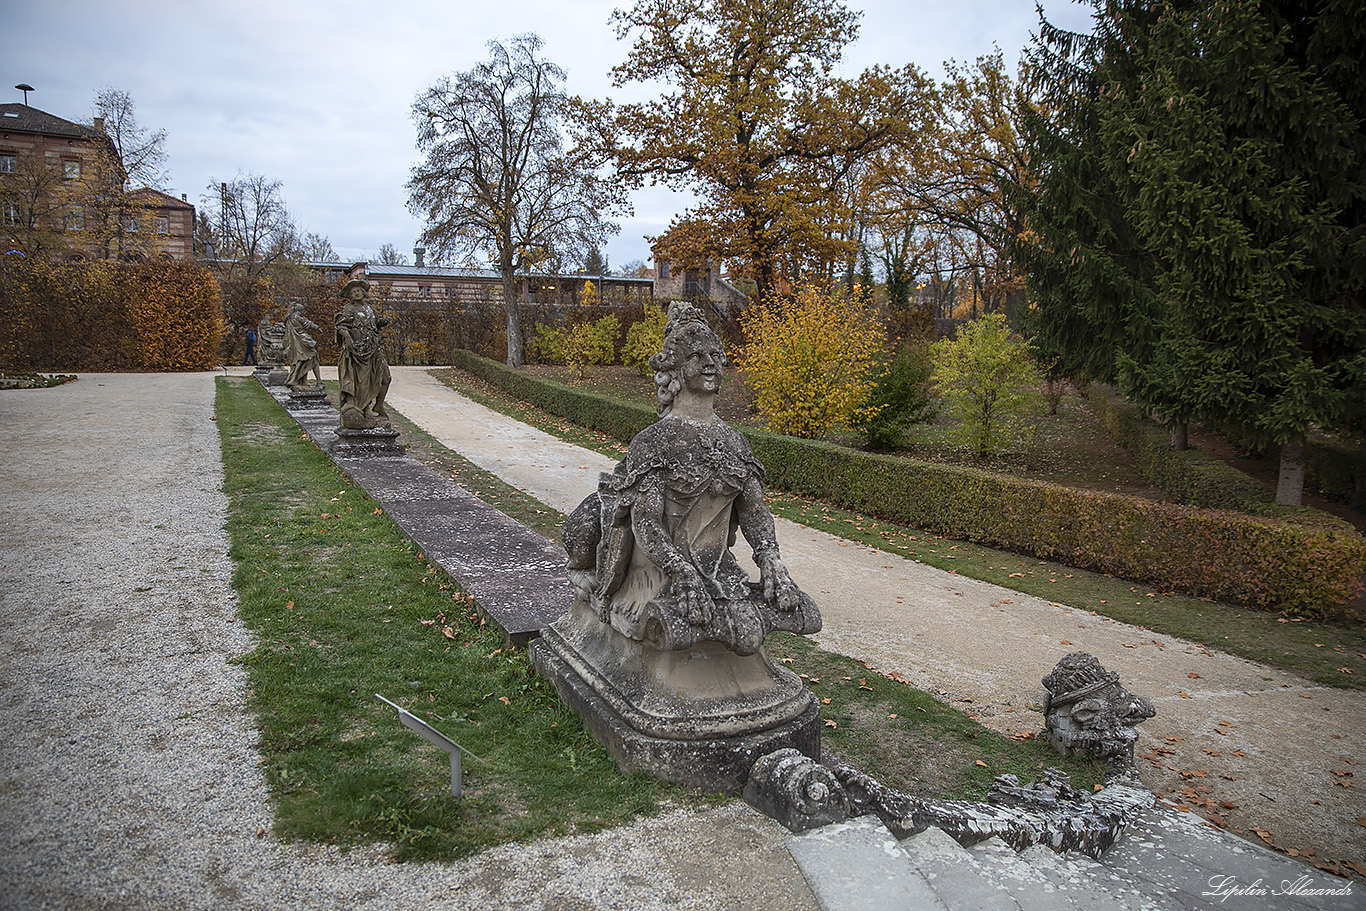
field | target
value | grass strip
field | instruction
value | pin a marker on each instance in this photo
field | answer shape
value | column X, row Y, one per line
column 342, row 606
column 1332, row 654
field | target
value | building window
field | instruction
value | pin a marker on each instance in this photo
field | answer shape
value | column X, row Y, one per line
column 7, row 163
column 71, row 168
column 162, row 224
column 130, row 225
column 9, row 213
column 75, row 218
column 424, row 290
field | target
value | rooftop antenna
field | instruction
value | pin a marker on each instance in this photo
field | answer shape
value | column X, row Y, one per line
column 25, row 88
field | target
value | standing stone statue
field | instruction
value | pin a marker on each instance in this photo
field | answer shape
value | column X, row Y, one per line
column 662, row 648
column 301, row 348
column 361, row 368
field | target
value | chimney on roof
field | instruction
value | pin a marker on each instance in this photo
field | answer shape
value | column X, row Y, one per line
column 184, row 197
column 418, row 253
column 99, row 124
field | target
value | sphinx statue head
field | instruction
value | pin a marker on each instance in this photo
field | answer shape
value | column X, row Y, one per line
column 1087, row 710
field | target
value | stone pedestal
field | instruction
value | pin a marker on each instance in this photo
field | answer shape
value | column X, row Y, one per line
column 699, row 716
column 278, row 376
column 371, row 441
column 314, row 396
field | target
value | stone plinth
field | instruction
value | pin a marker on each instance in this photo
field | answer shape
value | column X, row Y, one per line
column 366, row 443
column 699, row 716
column 307, row 397
column 278, row 376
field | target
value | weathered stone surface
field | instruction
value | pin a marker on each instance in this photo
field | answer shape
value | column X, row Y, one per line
column 301, row 349
column 270, row 342
column 359, row 443
column 1087, row 711
column 362, row 371
column 700, row 754
column 1049, row 812
column 662, row 650
column 306, row 396
column 795, row 790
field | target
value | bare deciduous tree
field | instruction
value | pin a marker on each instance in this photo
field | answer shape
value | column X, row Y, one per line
column 497, row 182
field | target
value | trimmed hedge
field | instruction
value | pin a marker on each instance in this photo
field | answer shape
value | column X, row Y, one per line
column 1311, row 570
column 1201, row 480
column 1190, row 476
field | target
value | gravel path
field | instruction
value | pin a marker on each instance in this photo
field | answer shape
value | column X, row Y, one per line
column 129, row 773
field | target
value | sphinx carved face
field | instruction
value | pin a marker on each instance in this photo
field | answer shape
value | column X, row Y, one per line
column 1087, row 710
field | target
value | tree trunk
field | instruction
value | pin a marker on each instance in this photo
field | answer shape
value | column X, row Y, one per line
column 510, row 304
column 1177, row 433
column 1290, row 488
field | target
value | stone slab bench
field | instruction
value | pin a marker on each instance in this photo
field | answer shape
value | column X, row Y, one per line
column 516, row 576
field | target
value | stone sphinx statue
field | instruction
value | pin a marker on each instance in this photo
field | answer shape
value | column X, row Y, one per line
column 1086, row 710
column 651, row 550
column 362, row 371
column 661, row 651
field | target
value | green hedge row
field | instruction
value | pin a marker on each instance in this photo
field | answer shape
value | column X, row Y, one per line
column 1309, row 570
column 1190, row 476
column 1201, row 480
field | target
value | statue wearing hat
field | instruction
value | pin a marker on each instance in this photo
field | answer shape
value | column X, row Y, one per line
column 361, row 368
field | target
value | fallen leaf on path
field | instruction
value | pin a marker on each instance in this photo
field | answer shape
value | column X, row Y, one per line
column 1193, row 676
column 1066, row 642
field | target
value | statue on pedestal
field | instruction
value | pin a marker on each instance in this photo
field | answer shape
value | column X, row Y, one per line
column 362, row 371
column 301, row 349
column 651, row 549
column 662, row 649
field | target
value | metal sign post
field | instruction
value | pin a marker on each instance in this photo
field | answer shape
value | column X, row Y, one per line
column 434, row 737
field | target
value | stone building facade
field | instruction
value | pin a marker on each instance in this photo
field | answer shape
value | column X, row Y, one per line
column 49, row 168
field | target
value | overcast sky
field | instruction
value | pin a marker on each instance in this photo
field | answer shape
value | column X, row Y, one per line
column 318, row 94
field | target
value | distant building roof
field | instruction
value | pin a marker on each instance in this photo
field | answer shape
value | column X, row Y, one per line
column 157, row 199
column 21, row 117
column 375, row 270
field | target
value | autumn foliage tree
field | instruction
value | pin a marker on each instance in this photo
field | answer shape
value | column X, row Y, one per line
column 987, row 379
column 810, row 361
column 755, row 123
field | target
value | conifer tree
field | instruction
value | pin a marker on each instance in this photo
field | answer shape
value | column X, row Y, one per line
column 1196, row 230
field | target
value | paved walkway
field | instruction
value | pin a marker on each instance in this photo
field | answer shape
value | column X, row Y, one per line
column 987, row 647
